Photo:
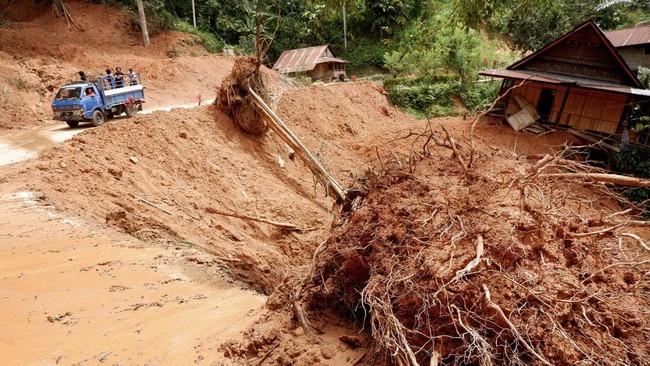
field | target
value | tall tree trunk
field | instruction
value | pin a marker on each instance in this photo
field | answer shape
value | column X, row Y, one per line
column 143, row 23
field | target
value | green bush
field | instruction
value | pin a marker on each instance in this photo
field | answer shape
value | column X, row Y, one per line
column 477, row 95
column 423, row 98
column 424, row 80
column 635, row 159
column 433, row 95
column 365, row 52
column 211, row 43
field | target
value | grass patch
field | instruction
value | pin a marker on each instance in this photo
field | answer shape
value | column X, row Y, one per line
column 211, row 43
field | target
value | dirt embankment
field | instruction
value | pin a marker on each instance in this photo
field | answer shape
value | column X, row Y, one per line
column 39, row 53
column 194, row 163
column 165, row 177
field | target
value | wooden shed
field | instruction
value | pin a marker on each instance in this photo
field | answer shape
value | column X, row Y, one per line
column 319, row 63
column 633, row 44
column 579, row 82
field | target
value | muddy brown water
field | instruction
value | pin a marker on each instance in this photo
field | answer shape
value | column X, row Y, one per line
column 75, row 294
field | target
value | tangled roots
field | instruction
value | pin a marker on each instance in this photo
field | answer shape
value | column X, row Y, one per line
column 493, row 266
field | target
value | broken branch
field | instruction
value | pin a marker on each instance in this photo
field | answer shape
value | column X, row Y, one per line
column 153, row 205
column 602, row 178
column 283, row 225
column 453, row 147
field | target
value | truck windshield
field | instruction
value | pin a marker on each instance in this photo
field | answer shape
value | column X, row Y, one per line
column 68, row 93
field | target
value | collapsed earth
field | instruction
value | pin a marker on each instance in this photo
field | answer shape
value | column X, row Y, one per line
column 212, row 235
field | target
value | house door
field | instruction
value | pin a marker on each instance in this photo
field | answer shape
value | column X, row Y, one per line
column 545, row 104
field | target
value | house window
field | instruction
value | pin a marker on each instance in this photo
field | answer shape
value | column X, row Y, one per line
column 647, row 49
column 336, row 67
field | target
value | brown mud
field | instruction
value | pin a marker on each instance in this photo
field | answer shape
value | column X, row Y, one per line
column 166, row 179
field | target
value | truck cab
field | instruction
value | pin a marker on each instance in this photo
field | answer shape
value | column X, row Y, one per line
column 89, row 101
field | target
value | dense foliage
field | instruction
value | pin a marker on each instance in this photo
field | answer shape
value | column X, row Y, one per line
column 635, row 159
column 426, row 41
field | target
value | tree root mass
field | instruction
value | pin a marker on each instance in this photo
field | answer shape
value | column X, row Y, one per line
column 485, row 267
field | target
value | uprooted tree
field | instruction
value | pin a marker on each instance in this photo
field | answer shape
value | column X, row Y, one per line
column 244, row 97
column 490, row 263
column 234, row 97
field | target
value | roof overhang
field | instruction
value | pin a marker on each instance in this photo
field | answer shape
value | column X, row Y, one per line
column 549, row 78
column 324, row 60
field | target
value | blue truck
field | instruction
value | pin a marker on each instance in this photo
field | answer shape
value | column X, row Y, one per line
column 90, row 101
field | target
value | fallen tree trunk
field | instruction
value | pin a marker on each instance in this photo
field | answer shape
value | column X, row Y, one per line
column 281, row 129
column 602, row 178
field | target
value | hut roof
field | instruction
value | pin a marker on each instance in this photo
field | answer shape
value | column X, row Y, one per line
column 305, row 59
column 630, row 36
column 582, row 53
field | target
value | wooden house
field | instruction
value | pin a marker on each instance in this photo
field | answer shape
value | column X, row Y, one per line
column 633, row 44
column 579, row 82
column 319, row 63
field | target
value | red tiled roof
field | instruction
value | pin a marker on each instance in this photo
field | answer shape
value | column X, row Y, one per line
column 629, row 37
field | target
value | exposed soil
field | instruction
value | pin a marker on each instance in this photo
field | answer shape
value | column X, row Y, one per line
column 74, row 293
column 151, row 192
column 38, row 56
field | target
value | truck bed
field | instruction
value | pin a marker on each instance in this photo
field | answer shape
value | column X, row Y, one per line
column 122, row 95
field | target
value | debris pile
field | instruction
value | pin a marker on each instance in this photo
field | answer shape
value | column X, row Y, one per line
column 486, row 262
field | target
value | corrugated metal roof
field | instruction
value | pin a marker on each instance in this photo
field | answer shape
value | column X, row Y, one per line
column 304, row 59
column 563, row 79
column 331, row 59
column 629, row 37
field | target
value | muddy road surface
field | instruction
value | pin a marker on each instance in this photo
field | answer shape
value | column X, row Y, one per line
column 73, row 294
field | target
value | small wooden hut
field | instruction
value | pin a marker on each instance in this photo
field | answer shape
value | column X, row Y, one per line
column 579, row 82
column 319, row 63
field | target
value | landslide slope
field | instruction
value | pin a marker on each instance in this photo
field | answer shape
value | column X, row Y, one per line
column 195, row 163
column 39, row 53
column 165, row 178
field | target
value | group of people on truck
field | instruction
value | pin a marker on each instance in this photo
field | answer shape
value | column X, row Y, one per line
column 115, row 80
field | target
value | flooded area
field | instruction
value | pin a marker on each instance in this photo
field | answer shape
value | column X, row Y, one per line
column 72, row 294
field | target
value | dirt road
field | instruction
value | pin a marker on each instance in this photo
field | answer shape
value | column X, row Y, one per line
column 19, row 145
column 73, row 294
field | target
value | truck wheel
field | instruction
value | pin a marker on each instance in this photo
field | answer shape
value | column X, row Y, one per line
column 131, row 110
column 72, row 124
column 98, row 118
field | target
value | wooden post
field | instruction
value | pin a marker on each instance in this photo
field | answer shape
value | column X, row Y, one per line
column 193, row 13
column 559, row 113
